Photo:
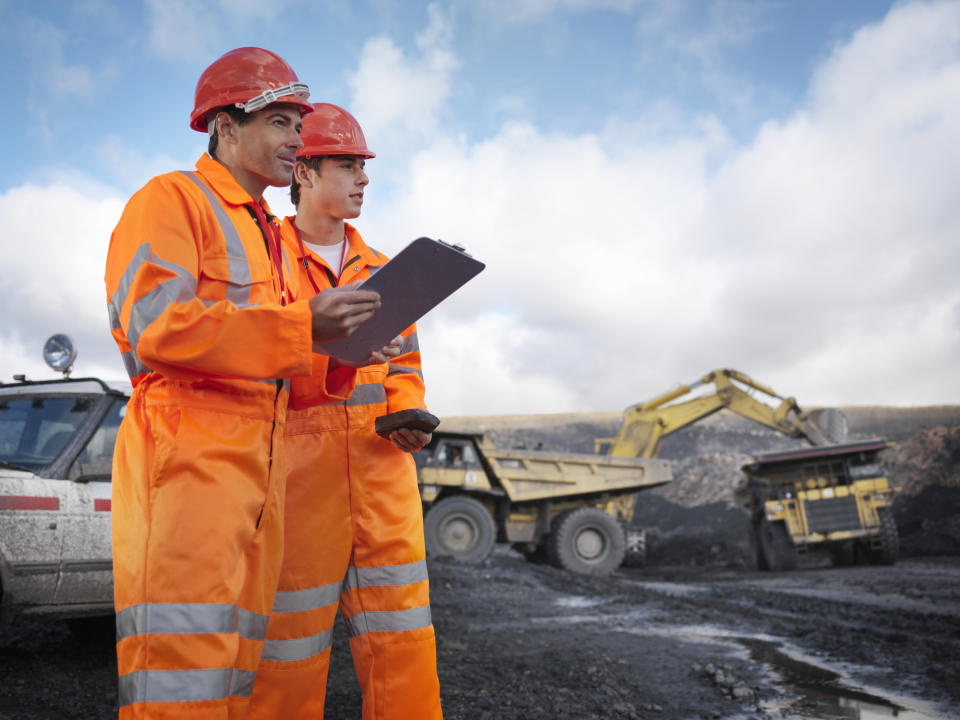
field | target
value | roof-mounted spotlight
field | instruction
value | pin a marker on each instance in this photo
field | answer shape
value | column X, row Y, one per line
column 59, row 352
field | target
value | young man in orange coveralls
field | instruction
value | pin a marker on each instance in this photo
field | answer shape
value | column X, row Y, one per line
column 354, row 528
column 199, row 294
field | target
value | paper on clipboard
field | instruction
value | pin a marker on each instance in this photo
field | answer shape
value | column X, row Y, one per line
column 412, row 283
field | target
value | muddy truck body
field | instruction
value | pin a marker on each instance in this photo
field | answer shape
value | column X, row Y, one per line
column 570, row 509
column 56, row 451
column 836, row 498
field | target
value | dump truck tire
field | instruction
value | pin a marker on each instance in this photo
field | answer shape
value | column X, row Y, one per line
column 888, row 550
column 459, row 528
column 587, row 541
column 776, row 550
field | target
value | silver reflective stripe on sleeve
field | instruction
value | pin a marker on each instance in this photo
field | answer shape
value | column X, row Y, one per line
column 297, row 648
column 184, row 685
column 410, row 343
column 388, row 621
column 238, row 291
column 190, row 619
column 367, row 394
column 386, row 575
column 133, row 365
column 113, row 314
column 309, row 599
column 150, row 306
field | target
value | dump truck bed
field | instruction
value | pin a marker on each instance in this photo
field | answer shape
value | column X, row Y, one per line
column 535, row 475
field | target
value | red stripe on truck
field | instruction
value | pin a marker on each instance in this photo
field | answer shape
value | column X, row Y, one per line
column 23, row 502
column 101, row 504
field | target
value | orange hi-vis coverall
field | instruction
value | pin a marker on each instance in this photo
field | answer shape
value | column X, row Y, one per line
column 354, row 538
column 197, row 310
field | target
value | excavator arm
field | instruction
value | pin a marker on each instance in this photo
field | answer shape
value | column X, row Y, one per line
column 646, row 424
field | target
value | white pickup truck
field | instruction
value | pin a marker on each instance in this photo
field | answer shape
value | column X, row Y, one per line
column 56, row 452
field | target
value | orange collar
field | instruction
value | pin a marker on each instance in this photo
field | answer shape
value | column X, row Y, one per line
column 220, row 179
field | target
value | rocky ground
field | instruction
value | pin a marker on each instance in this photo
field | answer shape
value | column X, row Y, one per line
column 518, row 641
column 698, row 634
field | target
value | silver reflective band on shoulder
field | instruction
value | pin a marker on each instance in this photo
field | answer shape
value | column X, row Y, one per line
column 386, row 575
column 297, row 648
column 190, row 619
column 299, row 89
column 184, row 685
column 309, row 599
column 374, row 621
column 238, row 290
column 367, row 394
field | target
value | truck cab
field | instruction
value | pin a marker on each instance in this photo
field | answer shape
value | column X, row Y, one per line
column 56, row 452
column 836, row 498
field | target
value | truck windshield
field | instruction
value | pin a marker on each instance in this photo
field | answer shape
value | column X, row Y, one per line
column 34, row 429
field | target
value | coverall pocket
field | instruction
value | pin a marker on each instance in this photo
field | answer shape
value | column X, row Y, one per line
column 223, row 277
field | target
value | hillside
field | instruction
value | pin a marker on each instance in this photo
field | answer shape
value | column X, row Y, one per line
column 695, row 518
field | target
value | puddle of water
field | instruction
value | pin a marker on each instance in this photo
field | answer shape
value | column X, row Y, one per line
column 816, row 692
column 810, row 691
column 578, row 601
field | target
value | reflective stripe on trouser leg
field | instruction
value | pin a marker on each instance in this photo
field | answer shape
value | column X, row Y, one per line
column 386, row 602
column 193, row 588
column 291, row 680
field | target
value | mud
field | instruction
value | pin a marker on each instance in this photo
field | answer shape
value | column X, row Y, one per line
column 699, row 634
column 524, row 641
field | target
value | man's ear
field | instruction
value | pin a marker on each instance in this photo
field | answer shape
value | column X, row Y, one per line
column 226, row 128
column 302, row 174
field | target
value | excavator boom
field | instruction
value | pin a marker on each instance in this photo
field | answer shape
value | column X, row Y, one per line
column 646, row 424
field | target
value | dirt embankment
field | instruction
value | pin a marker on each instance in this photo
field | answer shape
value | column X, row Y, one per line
column 695, row 519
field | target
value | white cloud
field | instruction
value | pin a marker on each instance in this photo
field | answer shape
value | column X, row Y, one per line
column 54, row 249
column 397, row 96
column 821, row 258
column 512, row 12
column 193, row 30
column 185, row 30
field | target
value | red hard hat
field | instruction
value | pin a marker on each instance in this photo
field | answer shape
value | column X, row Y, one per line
column 331, row 130
column 249, row 78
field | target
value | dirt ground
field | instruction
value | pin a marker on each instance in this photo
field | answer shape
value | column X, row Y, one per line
column 524, row 641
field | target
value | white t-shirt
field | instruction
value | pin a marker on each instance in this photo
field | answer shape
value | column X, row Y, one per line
column 332, row 254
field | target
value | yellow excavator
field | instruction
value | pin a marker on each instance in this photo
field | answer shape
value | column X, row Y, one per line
column 646, row 424
column 834, row 496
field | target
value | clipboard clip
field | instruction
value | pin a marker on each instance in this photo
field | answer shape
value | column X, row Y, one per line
column 455, row 246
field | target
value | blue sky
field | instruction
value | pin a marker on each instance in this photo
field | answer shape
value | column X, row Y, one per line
column 659, row 187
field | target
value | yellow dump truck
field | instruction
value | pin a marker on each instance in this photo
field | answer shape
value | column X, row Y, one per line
column 565, row 507
column 835, row 498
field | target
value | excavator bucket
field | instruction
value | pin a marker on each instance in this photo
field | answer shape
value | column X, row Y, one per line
column 825, row 426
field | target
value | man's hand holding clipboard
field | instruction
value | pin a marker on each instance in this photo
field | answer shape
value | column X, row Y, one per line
column 411, row 284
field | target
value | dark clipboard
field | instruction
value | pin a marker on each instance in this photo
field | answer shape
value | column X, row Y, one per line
column 412, row 283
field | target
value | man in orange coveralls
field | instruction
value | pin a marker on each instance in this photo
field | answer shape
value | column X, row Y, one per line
column 354, row 526
column 199, row 296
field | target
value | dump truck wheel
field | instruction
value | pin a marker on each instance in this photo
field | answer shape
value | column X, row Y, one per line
column 776, row 550
column 460, row 528
column 587, row 541
column 889, row 547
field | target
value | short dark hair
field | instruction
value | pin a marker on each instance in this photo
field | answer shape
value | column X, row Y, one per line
column 239, row 116
column 313, row 162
